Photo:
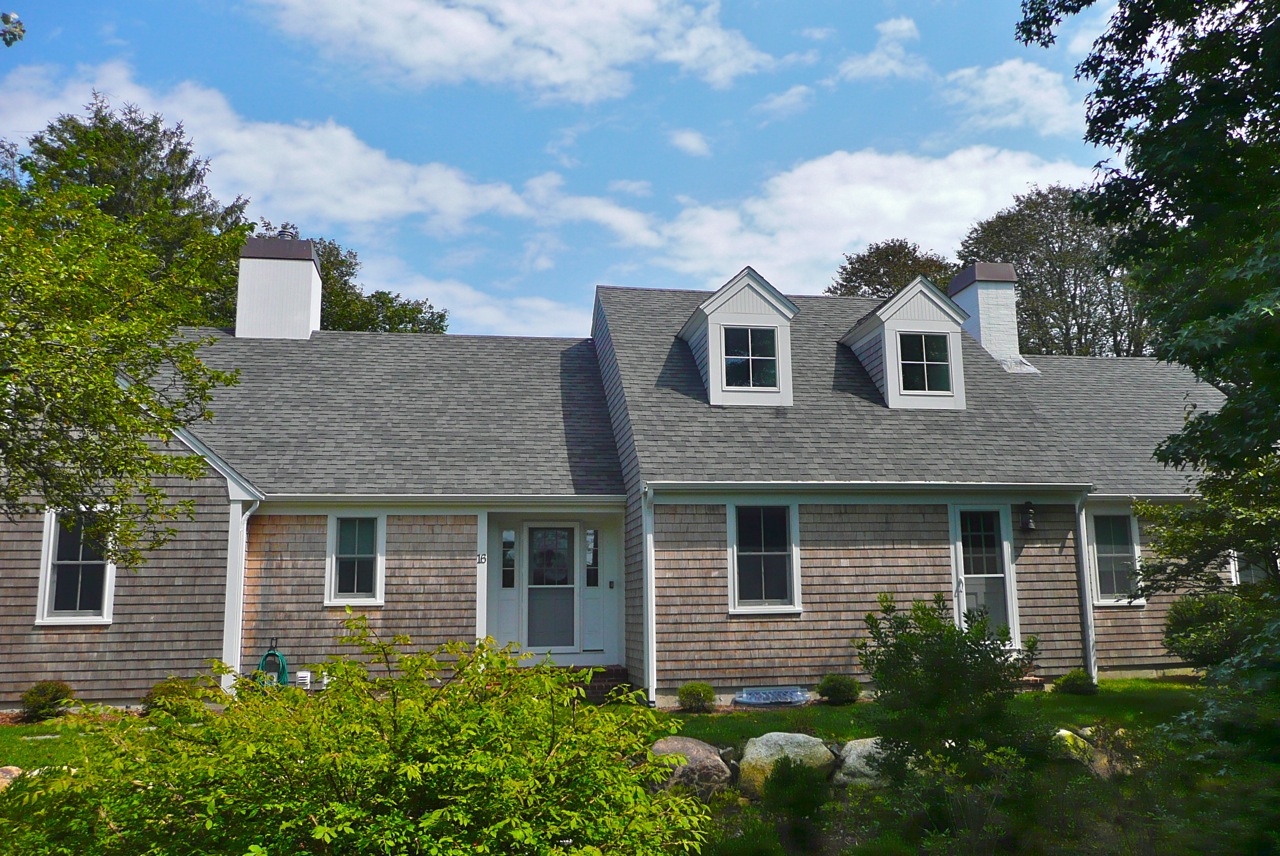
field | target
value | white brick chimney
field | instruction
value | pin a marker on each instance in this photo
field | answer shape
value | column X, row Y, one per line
column 987, row 291
column 279, row 289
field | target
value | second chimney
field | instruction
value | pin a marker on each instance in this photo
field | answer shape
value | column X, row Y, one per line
column 988, row 292
column 279, row 289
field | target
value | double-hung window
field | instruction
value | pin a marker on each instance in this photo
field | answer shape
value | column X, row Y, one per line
column 764, row 561
column 356, row 561
column 1115, row 556
column 926, row 362
column 984, row 573
column 77, row 582
column 751, row 357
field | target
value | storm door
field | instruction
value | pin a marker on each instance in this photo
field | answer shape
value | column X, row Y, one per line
column 551, row 621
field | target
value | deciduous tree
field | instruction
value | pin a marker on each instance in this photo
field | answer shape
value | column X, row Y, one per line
column 886, row 267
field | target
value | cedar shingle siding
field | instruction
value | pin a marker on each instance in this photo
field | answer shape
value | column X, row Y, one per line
column 167, row 615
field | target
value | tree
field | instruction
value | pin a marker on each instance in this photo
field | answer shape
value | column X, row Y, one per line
column 345, row 306
column 886, row 267
column 154, row 183
column 1188, row 94
column 11, row 29
column 94, row 379
column 1072, row 299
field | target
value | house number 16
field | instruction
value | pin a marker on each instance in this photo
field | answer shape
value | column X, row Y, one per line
column 482, row 558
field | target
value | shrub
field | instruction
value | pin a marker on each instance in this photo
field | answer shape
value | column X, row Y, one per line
column 173, row 695
column 795, row 795
column 940, row 688
column 45, row 700
column 697, row 697
column 1076, row 682
column 839, row 689
column 1206, row 629
column 461, row 750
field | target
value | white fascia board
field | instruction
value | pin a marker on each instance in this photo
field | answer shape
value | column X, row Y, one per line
column 485, row 499
column 1149, row 497
column 697, row 319
column 860, row 332
column 691, row 486
column 920, row 285
column 239, row 487
column 746, row 278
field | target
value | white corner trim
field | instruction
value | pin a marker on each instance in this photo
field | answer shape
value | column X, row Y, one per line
column 48, row 548
column 482, row 574
column 1088, row 632
column 650, row 594
column 331, row 598
column 233, row 608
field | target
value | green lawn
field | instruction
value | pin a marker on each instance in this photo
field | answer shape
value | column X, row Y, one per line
column 32, row 754
column 1132, row 702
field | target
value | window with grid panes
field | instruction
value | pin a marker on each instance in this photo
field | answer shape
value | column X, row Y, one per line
column 1113, row 555
column 926, row 362
column 751, row 357
column 982, row 563
column 356, row 558
column 763, row 555
column 78, row 577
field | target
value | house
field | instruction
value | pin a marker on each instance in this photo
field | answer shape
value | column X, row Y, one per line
column 713, row 486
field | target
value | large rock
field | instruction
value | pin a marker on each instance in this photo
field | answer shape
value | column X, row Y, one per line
column 856, row 763
column 703, row 770
column 7, row 775
column 762, row 753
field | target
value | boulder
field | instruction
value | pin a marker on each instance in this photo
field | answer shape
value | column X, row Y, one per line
column 856, row 767
column 1101, row 763
column 7, row 775
column 702, row 772
column 762, row 753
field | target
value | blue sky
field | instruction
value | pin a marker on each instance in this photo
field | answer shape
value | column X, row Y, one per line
column 502, row 157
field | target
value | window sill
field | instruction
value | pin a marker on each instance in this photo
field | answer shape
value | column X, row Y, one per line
column 366, row 601
column 1112, row 604
column 73, row 621
column 926, row 393
column 765, row 610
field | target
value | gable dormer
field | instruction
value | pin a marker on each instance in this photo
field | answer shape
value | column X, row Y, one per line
column 741, row 339
column 910, row 345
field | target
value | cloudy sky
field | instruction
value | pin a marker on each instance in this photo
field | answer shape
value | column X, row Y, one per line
column 502, row 157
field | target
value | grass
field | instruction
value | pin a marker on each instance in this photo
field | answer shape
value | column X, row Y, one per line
column 33, row 754
column 1135, row 702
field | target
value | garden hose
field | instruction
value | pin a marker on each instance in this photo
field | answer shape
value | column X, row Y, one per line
column 282, row 674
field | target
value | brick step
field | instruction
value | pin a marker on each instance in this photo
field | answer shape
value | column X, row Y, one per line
column 605, row 680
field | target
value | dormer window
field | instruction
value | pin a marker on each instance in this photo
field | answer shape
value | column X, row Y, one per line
column 751, row 357
column 926, row 362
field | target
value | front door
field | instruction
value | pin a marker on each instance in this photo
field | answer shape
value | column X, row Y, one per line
column 551, row 620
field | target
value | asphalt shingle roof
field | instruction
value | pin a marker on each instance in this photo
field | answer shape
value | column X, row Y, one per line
column 388, row 413
column 1080, row 421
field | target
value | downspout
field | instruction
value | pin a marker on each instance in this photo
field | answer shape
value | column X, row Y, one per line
column 650, row 596
column 1088, row 635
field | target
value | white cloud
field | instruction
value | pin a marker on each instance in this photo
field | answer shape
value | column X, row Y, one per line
column 783, row 104
column 1016, row 94
column 1087, row 28
column 690, row 142
column 576, row 50
column 631, row 187
column 818, row 34
column 890, row 57
column 288, row 169
column 794, row 230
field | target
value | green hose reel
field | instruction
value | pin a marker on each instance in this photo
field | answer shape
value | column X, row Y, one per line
column 274, row 663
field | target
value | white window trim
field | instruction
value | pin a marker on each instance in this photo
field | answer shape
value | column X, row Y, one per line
column 951, row 365
column 777, row 359
column 331, row 597
column 1095, row 586
column 579, row 583
column 793, row 525
column 44, row 598
column 1010, row 570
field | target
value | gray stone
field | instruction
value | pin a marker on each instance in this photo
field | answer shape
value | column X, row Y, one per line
column 702, row 772
column 856, row 766
column 762, row 753
column 7, row 775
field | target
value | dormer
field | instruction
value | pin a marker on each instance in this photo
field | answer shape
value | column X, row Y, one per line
column 741, row 339
column 910, row 345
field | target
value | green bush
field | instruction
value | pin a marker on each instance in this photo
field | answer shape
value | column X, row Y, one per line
column 941, row 688
column 697, row 697
column 1206, row 629
column 45, row 700
column 839, row 689
column 795, row 794
column 173, row 695
column 1076, row 682
column 461, row 750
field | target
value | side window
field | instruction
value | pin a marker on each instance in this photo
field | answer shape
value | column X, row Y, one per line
column 77, row 582
column 593, row 558
column 356, row 566
column 508, row 558
column 926, row 362
column 1114, row 555
column 763, row 572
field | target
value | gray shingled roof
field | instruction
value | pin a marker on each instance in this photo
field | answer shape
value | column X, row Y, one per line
column 1081, row 421
column 388, row 413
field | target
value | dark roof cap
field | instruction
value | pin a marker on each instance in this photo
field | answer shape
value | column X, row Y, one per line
column 279, row 248
column 982, row 272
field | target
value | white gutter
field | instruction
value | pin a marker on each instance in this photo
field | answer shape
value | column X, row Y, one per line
column 601, row 500
column 1088, row 634
column 1149, row 497
column 650, row 595
column 887, row 487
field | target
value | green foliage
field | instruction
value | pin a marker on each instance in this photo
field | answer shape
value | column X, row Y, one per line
column 460, row 751
column 1188, row 96
column 839, row 689
column 943, row 689
column 95, row 378
column 795, row 794
column 12, row 29
column 696, row 697
column 1207, row 628
column 1075, row 682
column 173, row 695
column 1072, row 299
column 45, row 700
column 886, row 267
